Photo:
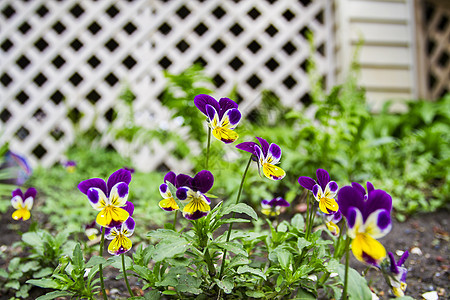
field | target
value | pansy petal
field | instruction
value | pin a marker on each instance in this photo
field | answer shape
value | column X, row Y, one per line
column 183, row 192
column 226, row 104
column 202, row 100
column 183, row 180
column 119, row 194
column 168, row 204
column 402, row 259
column 378, row 224
column 225, row 135
column 170, row 177
column 265, row 202
column 306, row 182
column 247, row 146
column 333, row 228
column 17, row 192
column 231, row 118
column 368, row 250
column 328, row 205
column 359, row 188
column 322, row 178
column 31, row 192
column 119, row 245
column 370, row 187
column 354, row 221
column 317, row 192
column 377, row 199
column 350, row 197
column 164, row 191
column 273, row 172
column 264, row 145
column 274, row 154
column 28, row 203
column 280, row 202
column 196, row 209
column 17, row 202
column 120, row 175
column 394, row 268
column 259, row 155
column 97, row 198
column 111, row 232
column 212, row 115
column 129, row 207
column 21, row 214
column 111, row 216
column 99, row 183
column 332, row 187
column 128, row 227
column 203, row 181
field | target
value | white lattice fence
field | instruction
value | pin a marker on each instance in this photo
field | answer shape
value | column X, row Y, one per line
column 76, row 56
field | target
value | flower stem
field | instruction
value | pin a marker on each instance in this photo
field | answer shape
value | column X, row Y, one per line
column 175, row 220
column 222, row 268
column 100, row 267
column 347, row 257
column 208, row 147
column 125, row 276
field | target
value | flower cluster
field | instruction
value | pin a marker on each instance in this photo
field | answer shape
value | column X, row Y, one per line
column 396, row 274
column 273, row 207
column 324, row 190
column 110, row 199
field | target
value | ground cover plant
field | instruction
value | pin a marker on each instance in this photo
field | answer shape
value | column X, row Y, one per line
column 210, row 241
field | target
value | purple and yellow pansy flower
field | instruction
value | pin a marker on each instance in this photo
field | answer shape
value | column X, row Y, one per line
column 331, row 221
column 397, row 274
column 168, row 202
column 109, row 198
column 368, row 219
column 267, row 156
column 120, row 237
column 70, row 166
column 223, row 116
column 273, row 207
column 22, row 203
column 324, row 190
column 192, row 192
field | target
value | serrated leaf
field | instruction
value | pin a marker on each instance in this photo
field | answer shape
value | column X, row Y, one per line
column 170, row 248
column 226, row 284
column 236, row 248
column 238, row 260
column 95, row 261
column 152, row 295
column 357, row 285
column 247, row 269
column 302, row 243
column 241, row 208
column 284, row 258
column 78, row 260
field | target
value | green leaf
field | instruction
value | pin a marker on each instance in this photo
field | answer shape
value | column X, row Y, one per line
column 43, row 272
column 302, row 243
column 29, row 266
column 255, row 294
column 233, row 247
column 169, row 292
column 34, row 240
column 404, row 298
column 44, row 283
column 304, row 295
column 298, row 222
column 53, row 295
column 188, row 284
column 78, row 260
column 226, row 284
column 284, row 258
column 247, row 269
column 238, row 260
column 3, row 273
column 95, row 261
column 168, row 248
column 163, row 234
column 241, row 208
column 235, row 220
column 13, row 284
column 357, row 285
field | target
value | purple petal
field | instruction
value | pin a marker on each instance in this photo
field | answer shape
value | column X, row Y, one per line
column 107, row 230
column 275, row 151
column 85, row 185
column 17, row 192
column 394, row 268
column 163, row 188
column 120, row 175
column 306, row 182
column 384, row 219
column 31, row 192
column 315, row 190
column 337, row 216
column 196, row 215
column 129, row 207
column 130, row 224
column 247, row 146
column 203, row 181
column 202, row 100
column 377, row 199
column 122, row 189
column 370, row 260
column 226, row 104
column 280, row 202
column 234, row 116
column 333, row 186
column 322, row 178
column 170, row 177
column 264, row 145
column 370, row 187
column 93, row 196
column 211, row 112
column 183, row 180
column 182, row 193
column 350, row 197
column 351, row 217
column 359, row 188
column 265, row 202
column 402, row 259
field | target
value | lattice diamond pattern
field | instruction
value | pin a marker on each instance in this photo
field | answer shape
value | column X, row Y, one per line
column 68, row 60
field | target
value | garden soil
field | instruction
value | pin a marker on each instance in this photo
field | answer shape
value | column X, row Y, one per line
column 426, row 236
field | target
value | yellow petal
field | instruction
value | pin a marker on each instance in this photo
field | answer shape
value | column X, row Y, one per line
column 21, row 213
column 365, row 244
column 225, row 135
column 119, row 245
column 327, row 204
column 273, row 172
column 111, row 215
column 333, row 228
column 269, row 212
column 196, row 205
column 168, row 204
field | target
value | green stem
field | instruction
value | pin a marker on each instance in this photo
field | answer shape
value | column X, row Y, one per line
column 307, row 216
column 347, row 257
column 175, row 220
column 208, row 147
column 222, row 268
column 125, row 276
column 100, row 267
column 313, row 216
